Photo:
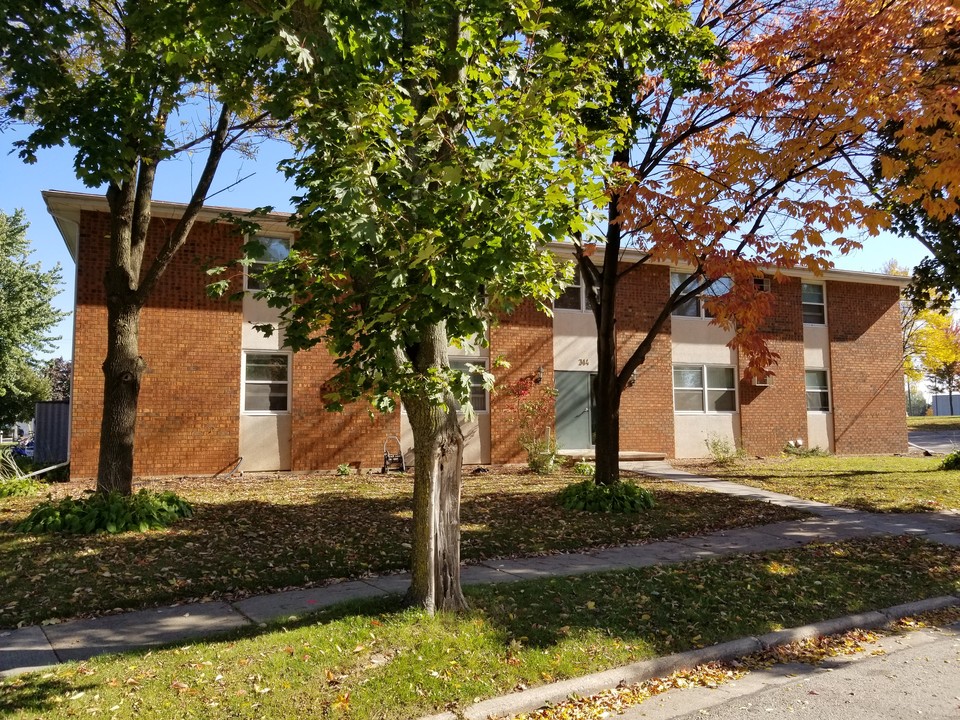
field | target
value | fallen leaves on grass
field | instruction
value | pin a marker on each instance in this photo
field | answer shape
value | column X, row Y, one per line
column 271, row 533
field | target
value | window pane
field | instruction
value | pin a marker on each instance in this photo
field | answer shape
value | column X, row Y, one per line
column 811, row 293
column 818, row 393
column 691, row 308
column 818, row 400
column 478, row 398
column 688, row 400
column 274, row 249
column 687, row 377
column 814, row 315
column 721, row 377
column 267, row 367
column 721, row 286
column 266, row 397
column 569, row 299
column 722, row 400
column 816, row 379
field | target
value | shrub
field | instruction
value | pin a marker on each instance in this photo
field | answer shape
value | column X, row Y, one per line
column 951, row 461
column 620, row 497
column 722, row 450
column 799, row 451
column 343, row 469
column 542, row 455
column 106, row 512
column 12, row 486
column 584, row 468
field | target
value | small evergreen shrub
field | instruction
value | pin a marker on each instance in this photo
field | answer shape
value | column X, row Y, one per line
column 584, row 468
column 12, row 486
column 343, row 469
column 106, row 512
column 951, row 461
column 620, row 497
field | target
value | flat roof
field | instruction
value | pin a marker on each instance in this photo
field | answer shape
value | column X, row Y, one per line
column 65, row 207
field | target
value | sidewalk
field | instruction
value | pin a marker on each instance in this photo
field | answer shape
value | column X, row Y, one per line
column 35, row 647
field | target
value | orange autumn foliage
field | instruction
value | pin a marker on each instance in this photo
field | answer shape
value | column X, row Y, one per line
column 767, row 169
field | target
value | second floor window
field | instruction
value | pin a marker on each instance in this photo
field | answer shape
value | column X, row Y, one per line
column 694, row 307
column 814, row 304
column 274, row 250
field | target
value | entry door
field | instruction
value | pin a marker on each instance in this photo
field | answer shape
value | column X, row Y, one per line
column 576, row 410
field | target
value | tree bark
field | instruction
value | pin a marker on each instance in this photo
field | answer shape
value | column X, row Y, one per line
column 122, row 372
column 438, row 448
column 608, row 387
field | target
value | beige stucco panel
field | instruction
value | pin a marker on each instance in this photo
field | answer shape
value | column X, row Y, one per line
column 820, row 430
column 692, row 431
column 257, row 312
column 476, row 436
column 265, row 442
column 697, row 341
column 816, row 346
column 574, row 341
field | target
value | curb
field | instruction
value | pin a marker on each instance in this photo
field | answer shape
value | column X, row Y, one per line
column 534, row 698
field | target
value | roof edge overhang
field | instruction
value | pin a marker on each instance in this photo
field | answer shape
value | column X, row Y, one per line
column 66, row 207
column 858, row 276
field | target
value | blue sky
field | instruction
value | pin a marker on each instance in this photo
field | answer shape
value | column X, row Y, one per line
column 21, row 185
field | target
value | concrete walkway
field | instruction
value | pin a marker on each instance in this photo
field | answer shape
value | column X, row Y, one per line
column 35, row 647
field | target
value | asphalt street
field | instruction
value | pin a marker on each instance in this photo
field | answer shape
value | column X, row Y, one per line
column 936, row 441
column 915, row 675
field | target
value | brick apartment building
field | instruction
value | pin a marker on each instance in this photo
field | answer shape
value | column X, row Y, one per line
column 216, row 390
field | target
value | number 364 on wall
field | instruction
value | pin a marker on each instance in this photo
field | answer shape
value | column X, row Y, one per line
column 583, row 362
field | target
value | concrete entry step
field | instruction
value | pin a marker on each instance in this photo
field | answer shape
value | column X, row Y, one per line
column 625, row 455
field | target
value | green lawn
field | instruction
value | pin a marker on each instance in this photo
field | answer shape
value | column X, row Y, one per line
column 875, row 483
column 261, row 534
column 375, row 660
column 943, row 422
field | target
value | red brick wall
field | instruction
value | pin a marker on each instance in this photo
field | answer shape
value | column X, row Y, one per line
column 188, row 414
column 525, row 340
column 772, row 415
column 646, row 409
column 866, row 368
column 322, row 439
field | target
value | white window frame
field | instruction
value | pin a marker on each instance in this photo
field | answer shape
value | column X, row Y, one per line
column 578, row 284
column 260, row 263
column 474, row 360
column 705, row 389
column 698, row 300
column 822, row 304
column 825, row 388
column 243, row 382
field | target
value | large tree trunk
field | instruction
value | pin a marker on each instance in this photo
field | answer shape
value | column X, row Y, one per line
column 607, row 441
column 438, row 449
column 122, row 372
column 608, row 389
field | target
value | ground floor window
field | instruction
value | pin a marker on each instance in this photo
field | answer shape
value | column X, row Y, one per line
column 818, row 391
column 266, row 382
column 704, row 388
column 478, row 393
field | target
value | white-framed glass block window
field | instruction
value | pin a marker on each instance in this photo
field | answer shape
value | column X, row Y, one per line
column 572, row 297
column 479, row 397
column 266, row 382
column 694, row 307
column 814, row 304
column 274, row 250
column 818, row 391
column 704, row 388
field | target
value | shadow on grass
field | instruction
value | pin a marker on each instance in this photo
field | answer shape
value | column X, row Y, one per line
column 36, row 695
column 597, row 621
column 235, row 549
